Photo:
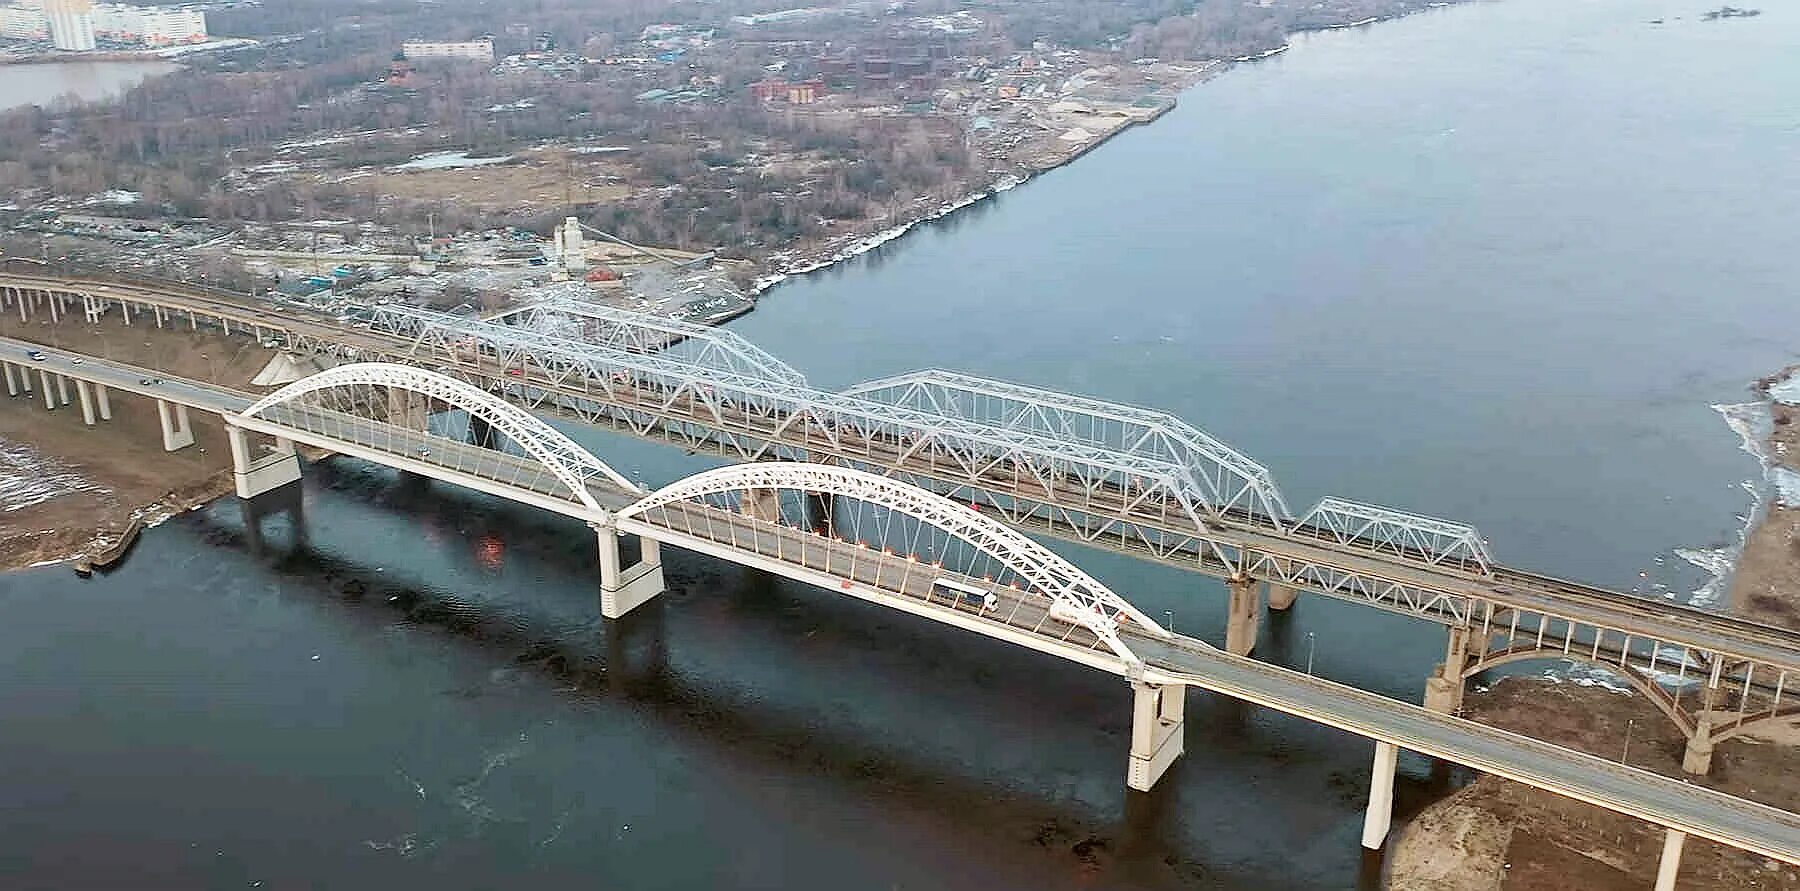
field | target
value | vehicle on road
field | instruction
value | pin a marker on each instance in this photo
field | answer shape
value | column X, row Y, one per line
column 966, row 593
column 1069, row 614
column 424, row 453
column 149, row 381
column 75, row 361
column 35, row 355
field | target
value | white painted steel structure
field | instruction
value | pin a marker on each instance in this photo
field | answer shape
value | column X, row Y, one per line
column 573, row 465
column 1118, row 477
column 1159, row 664
column 1046, row 573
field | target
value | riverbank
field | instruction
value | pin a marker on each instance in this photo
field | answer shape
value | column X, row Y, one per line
column 1496, row 835
column 1075, row 135
column 1765, row 583
column 70, row 492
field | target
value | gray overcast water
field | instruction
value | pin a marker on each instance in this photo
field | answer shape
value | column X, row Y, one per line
column 1494, row 262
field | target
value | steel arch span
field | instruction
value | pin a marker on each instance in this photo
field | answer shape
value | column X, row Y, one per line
column 1047, row 572
column 561, row 456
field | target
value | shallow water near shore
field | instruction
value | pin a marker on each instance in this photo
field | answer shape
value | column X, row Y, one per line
column 1467, row 263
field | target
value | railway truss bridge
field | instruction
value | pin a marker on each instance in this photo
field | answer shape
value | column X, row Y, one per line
column 1119, row 477
column 866, row 535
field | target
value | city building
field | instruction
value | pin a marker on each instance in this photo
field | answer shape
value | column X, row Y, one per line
column 24, row 22
column 476, row 50
column 71, row 24
column 149, row 25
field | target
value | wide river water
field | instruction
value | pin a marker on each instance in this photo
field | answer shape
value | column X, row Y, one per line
column 1496, row 262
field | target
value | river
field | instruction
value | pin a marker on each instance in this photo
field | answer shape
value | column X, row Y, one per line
column 87, row 81
column 1494, row 262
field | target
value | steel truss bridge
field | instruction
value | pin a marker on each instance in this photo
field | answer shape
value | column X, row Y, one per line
column 861, row 534
column 1124, row 478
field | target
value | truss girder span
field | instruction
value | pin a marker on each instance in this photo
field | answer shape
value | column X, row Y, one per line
column 1211, row 473
column 1408, row 536
column 568, row 461
column 666, row 386
column 1047, row 573
column 704, row 346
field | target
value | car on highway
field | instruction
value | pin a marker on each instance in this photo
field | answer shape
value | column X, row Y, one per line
column 149, row 381
column 35, row 355
column 75, row 361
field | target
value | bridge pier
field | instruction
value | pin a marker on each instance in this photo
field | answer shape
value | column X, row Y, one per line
column 1158, row 728
column 254, row 476
column 1670, row 864
column 104, row 399
column 1281, row 597
column 49, row 397
column 762, row 504
column 625, row 588
column 1380, row 815
column 86, row 391
column 406, row 409
column 62, row 389
column 1444, row 688
column 1696, row 759
column 12, row 379
column 177, row 433
column 1244, row 616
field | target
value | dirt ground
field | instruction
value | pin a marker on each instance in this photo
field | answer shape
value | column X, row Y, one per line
column 1497, row 835
column 123, row 457
column 545, row 182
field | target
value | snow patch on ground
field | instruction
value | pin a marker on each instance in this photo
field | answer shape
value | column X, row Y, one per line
column 449, row 161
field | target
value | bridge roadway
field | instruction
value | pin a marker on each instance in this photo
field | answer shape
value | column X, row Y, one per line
column 1022, row 617
column 1615, row 627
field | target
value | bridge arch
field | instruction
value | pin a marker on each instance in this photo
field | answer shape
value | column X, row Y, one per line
column 567, row 460
column 1049, row 573
column 1639, row 681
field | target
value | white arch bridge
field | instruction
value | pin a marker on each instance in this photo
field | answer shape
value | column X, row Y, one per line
column 885, row 541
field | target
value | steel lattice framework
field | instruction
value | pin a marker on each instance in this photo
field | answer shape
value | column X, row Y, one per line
column 1211, row 474
column 1405, row 535
column 1048, row 574
column 573, row 465
column 706, row 347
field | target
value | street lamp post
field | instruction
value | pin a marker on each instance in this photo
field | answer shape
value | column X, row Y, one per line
column 1169, row 620
column 1312, row 640
column 1625, row 755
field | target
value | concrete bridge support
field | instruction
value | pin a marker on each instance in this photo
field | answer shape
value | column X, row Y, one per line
column 177, row 433
column 1158, row 728
column 1380, row 815
column 103, row 398
column 406, row 409
column 625, row 588
column 762, row 504
column 256, row 475
column 86, row 391
column 1444, row 689
column 1673, row 841
column 1696, row 759
column 1281, row 597
column 62, row 389
column 1244, row 615
column 12, row 379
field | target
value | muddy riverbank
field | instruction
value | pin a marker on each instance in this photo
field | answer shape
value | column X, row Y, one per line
column 69, row 491
column 1496, row 835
